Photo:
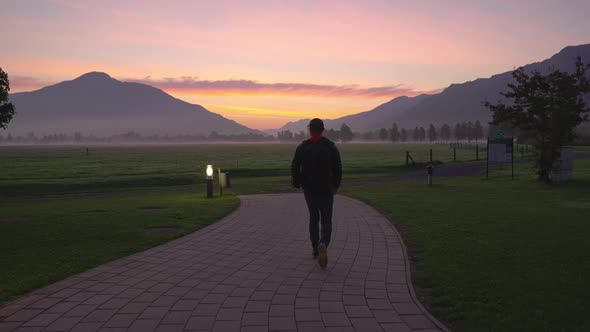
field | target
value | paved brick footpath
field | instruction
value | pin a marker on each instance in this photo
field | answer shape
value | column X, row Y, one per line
column 251, row 271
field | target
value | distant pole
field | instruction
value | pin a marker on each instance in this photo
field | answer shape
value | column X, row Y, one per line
column 86, row 151
column 487, row 158
column 476, row 151
column 512, row 155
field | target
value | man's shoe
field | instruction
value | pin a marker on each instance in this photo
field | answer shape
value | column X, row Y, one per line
column 323, row 255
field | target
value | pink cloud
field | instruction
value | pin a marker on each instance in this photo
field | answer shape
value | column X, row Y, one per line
column 26, row 83
column 251, row 87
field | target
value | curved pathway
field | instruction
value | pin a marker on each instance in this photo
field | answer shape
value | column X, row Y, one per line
column 251, row 271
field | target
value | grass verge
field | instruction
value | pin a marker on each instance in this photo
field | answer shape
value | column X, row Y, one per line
column 45, row 240
column 496, row 255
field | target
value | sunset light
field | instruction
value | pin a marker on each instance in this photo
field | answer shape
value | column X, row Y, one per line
column 314, row 56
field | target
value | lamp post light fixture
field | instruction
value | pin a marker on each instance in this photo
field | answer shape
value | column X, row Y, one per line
column 209, row 181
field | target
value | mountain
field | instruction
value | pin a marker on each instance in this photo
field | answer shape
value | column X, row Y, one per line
column 464, row 102
column 95, row 103
column 365, row 121
column 456, row 103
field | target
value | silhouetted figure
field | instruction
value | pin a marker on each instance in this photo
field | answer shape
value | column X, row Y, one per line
column 317, row 168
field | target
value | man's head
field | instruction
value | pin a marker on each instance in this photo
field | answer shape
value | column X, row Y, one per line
column 316, row 126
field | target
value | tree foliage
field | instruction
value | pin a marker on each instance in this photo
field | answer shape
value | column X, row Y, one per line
column 549, row 107
column 346, row 134
column 403, row 135
column 445, row 132
column 383, row 134
column 432, row 135
column 6, row 107
column 394, row 133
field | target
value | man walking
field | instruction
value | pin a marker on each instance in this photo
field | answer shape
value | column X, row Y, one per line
column 317, row 168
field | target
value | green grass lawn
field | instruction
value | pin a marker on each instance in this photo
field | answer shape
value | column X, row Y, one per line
column 45, row 240
column 496, row 255
column 39, row 170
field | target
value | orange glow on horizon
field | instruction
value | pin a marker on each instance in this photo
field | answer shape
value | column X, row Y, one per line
column 270, row 92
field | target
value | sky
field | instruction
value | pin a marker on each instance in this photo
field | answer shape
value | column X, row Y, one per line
column 264, row 63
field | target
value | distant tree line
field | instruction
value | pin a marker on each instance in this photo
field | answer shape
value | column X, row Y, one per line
column 130, row 137
column 461, row 131
column 344, row 135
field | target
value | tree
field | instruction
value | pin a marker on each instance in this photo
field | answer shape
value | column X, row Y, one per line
column 549, row 107
column 332, row 134
column 432, row 136
column 403, row 135
column 346, row 133
column 445, row 132
column 477, row 131
column 422, row 134
column 383, row 134
column 416, row 134
column 394, row 133
column 285, row 135
column 6, row 107
column 469, row 130
column 458, row 132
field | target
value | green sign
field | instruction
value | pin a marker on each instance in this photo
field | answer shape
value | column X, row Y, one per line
column 500, row 134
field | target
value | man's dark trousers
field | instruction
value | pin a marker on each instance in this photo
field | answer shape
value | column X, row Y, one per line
column 320, row 208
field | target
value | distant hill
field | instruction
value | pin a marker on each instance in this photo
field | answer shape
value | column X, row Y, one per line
column 365, row 121
column 457, row 103
column 95, row 103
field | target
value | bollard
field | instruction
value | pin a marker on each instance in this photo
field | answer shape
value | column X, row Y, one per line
column 210, row 188
column 209, row 181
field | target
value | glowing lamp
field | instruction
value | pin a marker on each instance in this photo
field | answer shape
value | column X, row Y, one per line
column 209, row 171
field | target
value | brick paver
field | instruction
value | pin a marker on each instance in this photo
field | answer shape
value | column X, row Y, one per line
column 251, row 271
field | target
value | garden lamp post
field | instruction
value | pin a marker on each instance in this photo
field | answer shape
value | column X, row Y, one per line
column 209, row 181
column 429, row 170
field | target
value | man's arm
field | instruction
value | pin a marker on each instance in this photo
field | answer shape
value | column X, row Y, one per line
column 336, row 168
column 296, row 168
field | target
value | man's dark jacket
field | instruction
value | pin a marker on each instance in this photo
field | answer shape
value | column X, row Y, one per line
column 317, row 167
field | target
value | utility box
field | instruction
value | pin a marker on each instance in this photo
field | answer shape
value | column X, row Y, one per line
column 223, row 179
column 500, row 150
column 563, row 168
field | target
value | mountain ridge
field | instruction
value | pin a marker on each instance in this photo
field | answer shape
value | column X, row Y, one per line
column 95, row 103
column 456, row 103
